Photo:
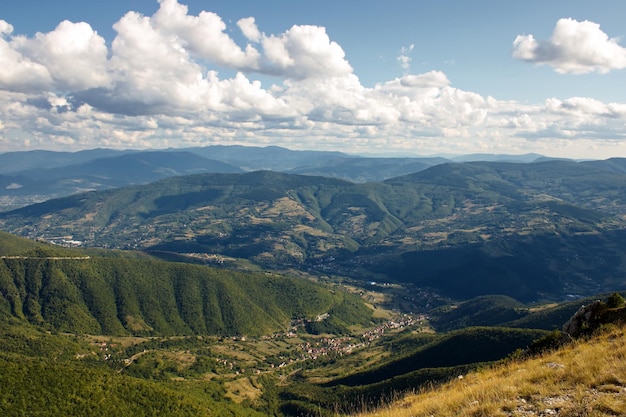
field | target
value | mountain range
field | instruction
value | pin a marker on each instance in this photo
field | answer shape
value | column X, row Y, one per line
column 28, row 177
column 532, row 231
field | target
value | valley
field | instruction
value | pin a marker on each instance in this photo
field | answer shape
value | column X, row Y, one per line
column 251, row 292
column 489, row 218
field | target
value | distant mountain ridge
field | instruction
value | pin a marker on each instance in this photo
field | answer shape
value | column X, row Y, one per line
column 467, row 229
column 13, row 162
column 36, row 176
column 134, row 168
column 486, row 157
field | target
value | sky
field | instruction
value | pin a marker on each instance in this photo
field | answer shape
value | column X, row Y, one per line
column 395, row 78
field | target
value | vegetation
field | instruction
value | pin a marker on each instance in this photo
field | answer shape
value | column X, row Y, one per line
column 151, row 351
column 40, row 378
column 430, row 360
column 72, row 292
column 289, row 295
column 462, row 347
column 464, row 230
column 583, row 378
column 615, row 300
column 487, row 310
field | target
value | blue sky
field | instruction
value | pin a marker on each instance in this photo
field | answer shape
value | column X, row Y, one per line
column 396, row 78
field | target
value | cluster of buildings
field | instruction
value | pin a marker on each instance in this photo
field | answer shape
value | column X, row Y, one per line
column 345, row 345
column 401, row 323
column 328, row 345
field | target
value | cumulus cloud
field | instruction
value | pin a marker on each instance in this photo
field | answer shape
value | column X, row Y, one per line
column 18, row 72
column 249, row 29
column 575, row 47
column 74, row 55
column 304, row 52
column 203, row 35
column 158, row 84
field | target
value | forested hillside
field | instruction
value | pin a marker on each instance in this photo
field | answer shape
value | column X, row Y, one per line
column 74, row 292
column 529, row 231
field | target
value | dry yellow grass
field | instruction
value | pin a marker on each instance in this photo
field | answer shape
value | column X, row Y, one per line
column 586, row 378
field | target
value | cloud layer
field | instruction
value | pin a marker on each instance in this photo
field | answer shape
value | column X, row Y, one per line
column 158, row 84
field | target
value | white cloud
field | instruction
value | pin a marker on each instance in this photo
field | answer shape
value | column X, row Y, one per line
column 249, row 29
column 339, row 100
column 575, row 47
column 157, row 85
column 410, row 83
column 584, row 107
column 5, row 28
column 243, row 96
column 152, row 69
column 405, row 62
column 73, row 54
column 203, row 35
column 304, row 52
column 18, row 72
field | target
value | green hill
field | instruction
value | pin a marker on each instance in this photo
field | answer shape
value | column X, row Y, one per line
column 461, row 347
column 487, row 310
column 68, row 290
column 13, row 245
column 529, row 231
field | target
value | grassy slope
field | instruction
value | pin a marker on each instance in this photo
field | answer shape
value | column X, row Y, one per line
column 461, row 347
column 440, row 359
column 587, row 378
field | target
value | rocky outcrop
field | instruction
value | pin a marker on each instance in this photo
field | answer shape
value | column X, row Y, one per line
column 586, row 318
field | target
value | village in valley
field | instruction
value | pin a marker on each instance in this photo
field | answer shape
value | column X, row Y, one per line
column 241, row 358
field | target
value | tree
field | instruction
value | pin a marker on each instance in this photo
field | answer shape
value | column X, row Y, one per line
column 615, row 300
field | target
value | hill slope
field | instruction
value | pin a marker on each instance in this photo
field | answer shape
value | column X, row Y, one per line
column 71, row 291
column 529, row 231
column 585, row 378
column 462, row 347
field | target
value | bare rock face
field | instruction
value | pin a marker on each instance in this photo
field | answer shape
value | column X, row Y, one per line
column 584, row 318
